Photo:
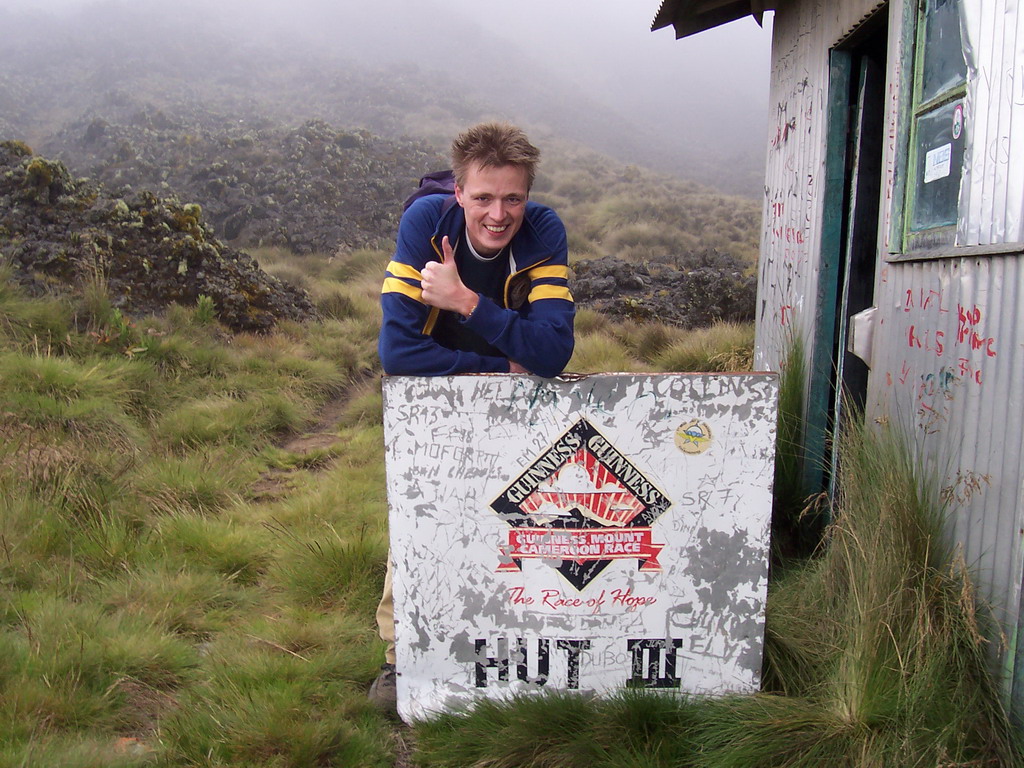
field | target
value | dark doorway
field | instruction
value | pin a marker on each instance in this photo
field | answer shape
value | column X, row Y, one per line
column 838, row 386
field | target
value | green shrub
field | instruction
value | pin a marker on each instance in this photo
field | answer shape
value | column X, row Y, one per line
column 206, row 310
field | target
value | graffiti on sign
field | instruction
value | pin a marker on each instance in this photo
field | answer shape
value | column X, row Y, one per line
column 593, row 534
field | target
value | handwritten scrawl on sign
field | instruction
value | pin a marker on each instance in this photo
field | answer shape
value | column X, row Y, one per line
column 584, row 534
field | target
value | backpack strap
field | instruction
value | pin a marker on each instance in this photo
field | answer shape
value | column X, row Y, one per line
column 438, row 182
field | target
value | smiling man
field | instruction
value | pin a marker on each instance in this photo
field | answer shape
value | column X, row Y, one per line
column 478, row 283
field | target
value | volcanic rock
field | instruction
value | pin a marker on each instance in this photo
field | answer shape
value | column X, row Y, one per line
column 57, row 232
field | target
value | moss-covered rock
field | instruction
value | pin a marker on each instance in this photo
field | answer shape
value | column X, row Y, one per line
column 151, row 251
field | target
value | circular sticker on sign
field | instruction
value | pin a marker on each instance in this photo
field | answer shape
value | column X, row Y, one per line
column 693, row 437
column 958, row 120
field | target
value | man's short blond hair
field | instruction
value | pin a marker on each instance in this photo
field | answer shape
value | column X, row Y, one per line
column 494, row 145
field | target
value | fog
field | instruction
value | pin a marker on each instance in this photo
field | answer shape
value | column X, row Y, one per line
column 713, row 86
column 585, row 69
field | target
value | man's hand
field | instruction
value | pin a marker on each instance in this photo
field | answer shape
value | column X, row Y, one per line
column 514, row 367
column 442, row 286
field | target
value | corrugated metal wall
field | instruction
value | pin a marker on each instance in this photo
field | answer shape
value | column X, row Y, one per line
column 948, row 371
column 794, row 179
column 948, row 358
column 949, row 354
column 992, row 195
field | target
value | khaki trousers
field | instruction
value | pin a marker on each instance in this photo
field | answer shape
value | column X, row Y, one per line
column 386, row 617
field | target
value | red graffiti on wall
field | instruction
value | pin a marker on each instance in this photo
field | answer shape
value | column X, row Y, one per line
column 928, row 340
column 924, row 300
column 968, row 321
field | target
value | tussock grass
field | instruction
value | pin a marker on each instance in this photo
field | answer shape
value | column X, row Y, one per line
column 224, row 420
column 236, row 552
column 599, row 353
column 358, row 265
column 796, row 521
column 646, row 340
column 604, row 345
column 142, row 593
column 176, row 485
column 344, row 343
column 589, row 322
column 562, row 730
column 67, row 647
column 289, row 273
column 276, row 720
column 28, row 324
column 723, row 347
column 331, row 569
column 881, row 629
column 365, row 405
column 178, row 599
column 42, row 387
column 633, row 213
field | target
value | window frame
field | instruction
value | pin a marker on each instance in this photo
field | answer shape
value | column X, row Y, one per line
column 937, row 241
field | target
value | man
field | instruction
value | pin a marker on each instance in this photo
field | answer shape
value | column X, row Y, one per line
column 478, row 284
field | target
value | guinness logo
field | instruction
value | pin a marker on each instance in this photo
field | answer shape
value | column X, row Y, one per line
column 580, row 505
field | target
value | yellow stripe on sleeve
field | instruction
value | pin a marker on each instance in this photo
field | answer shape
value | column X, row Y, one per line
column 394, row 285
column 538, row 273
column 550, row 292
column 398, row 269
column 428, row 327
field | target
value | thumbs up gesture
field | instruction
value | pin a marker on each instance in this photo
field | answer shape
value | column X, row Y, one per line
column 442, row 286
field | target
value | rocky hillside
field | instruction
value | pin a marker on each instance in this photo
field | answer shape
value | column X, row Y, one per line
column 313, row 60
column 692, row 292
column 207, row 142
column 309, row 188
column 58, row 233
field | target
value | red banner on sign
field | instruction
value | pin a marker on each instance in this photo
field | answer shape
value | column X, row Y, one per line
column 581, row 545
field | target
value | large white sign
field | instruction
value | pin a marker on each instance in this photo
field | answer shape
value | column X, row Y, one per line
column 578, row 534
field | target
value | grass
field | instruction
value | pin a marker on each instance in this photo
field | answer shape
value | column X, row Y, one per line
column 796, row 525
column 153, row 613
column 182, row 587
column 607, row 345
column 723, row 347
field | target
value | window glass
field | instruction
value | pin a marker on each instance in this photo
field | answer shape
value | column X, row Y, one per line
column 940, row 153
column 944, row 67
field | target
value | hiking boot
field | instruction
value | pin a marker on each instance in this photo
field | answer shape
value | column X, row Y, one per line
column 382, row 691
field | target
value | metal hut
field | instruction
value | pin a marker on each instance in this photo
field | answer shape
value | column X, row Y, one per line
column 893, row 246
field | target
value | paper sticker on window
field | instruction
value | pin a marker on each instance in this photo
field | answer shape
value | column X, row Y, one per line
column 936, row 163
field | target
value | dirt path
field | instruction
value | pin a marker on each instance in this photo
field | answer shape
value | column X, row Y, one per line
column 320, row 438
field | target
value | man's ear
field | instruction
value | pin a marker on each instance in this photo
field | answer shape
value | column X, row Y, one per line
column 459, row 195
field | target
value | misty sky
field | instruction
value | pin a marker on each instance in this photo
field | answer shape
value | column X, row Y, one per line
column 606, row 47
column 713, row 85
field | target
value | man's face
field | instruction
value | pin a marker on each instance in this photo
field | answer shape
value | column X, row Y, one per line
column 494, row 199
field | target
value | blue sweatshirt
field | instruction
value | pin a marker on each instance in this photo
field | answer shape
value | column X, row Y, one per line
column 530, row 321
